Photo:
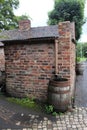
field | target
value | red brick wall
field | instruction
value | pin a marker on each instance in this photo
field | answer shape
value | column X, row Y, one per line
column 29, row 67
column 66, row 53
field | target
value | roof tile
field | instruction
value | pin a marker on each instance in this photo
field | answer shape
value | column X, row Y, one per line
column 33, row 33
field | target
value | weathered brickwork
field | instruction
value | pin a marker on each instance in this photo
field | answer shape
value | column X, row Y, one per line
column 31, row 64
column 29, row 67
column 66, row 53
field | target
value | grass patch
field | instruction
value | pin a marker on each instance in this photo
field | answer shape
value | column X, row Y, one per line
column 83, row 59
column 25, row 102
column 79, row 59
column 30, row 103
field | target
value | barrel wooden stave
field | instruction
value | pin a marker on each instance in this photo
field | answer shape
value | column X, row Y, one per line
column 59, row 95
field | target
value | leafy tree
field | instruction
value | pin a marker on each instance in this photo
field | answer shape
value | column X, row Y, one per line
column 84, row 49
column 1, row 1
column 68, row 10
column 81, row 50
column 19, row 18
column 8, row 20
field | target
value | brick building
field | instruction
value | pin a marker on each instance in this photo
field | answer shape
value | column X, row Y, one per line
column 34, row 55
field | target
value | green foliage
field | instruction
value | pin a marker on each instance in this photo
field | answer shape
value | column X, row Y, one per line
column 60, row 113
column 78, row 59
column 30, row 103
column 84, row 50
column 68, row 10
column 26, row 102
column 49, row 109
column 81, row 50
column 1, row 1
column 22, row 17
column 54, row 113
column 8, row 20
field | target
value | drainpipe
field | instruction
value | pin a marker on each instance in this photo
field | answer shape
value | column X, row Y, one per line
column 56, row 57
column 73, row 102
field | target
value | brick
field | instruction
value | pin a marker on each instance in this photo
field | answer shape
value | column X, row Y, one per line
column 66, row 50
column 33, row 64
column 28, row 71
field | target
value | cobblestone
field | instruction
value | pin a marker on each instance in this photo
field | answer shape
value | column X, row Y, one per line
column 75, row 120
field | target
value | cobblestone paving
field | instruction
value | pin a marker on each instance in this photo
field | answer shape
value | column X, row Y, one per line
column 76, row 120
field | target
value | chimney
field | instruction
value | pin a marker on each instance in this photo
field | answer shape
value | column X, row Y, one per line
column 24, row 25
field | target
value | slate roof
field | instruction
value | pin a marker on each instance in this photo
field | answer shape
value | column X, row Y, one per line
column 32, row 33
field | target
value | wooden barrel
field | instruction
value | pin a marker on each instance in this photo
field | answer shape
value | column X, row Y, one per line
column 59, row 95
column 80, row 68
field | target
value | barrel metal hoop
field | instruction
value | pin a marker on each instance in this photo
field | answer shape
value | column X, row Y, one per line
column 59, row 92
column 58, row 84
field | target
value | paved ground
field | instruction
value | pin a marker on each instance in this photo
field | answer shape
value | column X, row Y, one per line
column 81, row 88
column 14, row 117
column 17, row 118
